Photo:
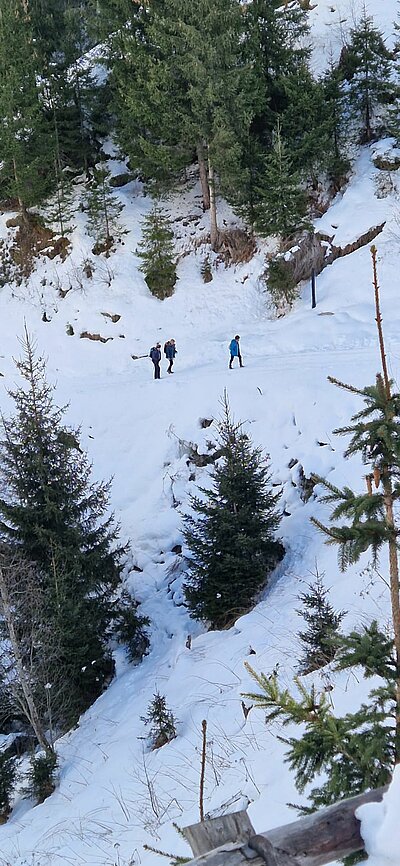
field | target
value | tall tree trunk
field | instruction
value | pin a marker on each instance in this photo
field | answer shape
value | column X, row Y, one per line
column 23, row 680
column 23, row 210
column 394, row 596
column 387, row 474
column 205, row 189
column 213, row 209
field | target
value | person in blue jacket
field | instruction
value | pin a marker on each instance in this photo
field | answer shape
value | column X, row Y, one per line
column 155, row 355
column 170, row 351
column 234, row 349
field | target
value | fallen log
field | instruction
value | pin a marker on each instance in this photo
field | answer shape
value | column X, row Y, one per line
column 327, row 835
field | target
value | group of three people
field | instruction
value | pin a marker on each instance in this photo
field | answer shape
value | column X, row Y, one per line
column 170, row 351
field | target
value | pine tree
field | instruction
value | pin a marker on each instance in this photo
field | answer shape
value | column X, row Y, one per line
column 162, row 721
column 156, row 250
column 367, row 70
column 8, row 775
column 281, row 203
column 320, row 640
column 231, row 538
column 42, row 776
column 26, row 172
column 354, row 752
column 103, row 209
column 277, row 48
column 53, row 514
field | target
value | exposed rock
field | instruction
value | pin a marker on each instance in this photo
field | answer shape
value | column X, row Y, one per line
column 88, row 336
column 121, row 179
column 387, row 161
column 113, row 316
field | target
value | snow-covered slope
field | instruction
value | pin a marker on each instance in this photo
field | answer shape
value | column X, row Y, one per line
column 114, row 795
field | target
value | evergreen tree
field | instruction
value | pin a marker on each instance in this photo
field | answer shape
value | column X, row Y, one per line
column 276, row 45
column 337, row 163
column 156, row 250
column 26, row 171
column 103, row 209
column 162, row 721
column 281, row 203
column 320, row 640
column 8, row 774
column 231, row 538
column 55, row 516
column 42, row 776
column 355, row 752
column 366, row 67
column 183, row 88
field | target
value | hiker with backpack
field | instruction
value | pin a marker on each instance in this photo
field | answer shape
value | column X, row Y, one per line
column 155, row 355
column 170, row 352
column 234, row 349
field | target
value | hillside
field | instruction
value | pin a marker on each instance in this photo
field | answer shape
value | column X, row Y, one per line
column 114, row 795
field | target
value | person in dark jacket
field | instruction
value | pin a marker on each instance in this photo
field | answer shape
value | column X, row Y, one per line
column 234, row 349
column 170, row 352
column 155, row 355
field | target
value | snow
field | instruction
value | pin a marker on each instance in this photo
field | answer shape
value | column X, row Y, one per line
column 380, row 826
column 114, row 795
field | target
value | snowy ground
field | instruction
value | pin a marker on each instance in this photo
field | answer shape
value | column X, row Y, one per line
column 115, row 795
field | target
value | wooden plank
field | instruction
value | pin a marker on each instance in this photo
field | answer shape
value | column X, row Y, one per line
column 215, row 832
column 317, row 839
column 229, row 855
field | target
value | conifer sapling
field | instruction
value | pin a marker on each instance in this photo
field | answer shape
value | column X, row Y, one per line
column 162, row 721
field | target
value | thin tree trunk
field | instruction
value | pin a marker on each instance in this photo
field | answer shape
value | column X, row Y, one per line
column 387, row 472
column 394, row 596
column 22, row 207
column 213, row 208
column 205, row 189
column 32, row 713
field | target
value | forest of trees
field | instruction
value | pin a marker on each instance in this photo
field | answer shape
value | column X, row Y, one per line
column 213, row 83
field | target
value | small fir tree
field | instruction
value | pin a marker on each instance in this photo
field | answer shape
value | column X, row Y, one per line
column 103, row 210
column 320, row 640
column 281, row 203
column 8, row 775
column 42, row 776
column 156, row 250
column 366, row 67
column 162, row 721
column 131, row 628
column 231, row 537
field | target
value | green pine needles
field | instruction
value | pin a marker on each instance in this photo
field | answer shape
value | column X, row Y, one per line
column 231, row 534
column 320, row 639
column 355, row 752
column 8, row 775
column 162, row 722
column 156, row 250
column 54, row 516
